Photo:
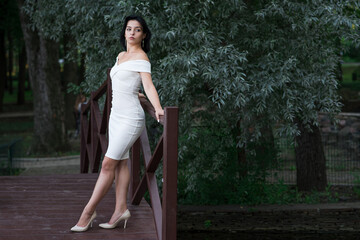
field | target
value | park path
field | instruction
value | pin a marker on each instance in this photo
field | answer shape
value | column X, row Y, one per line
column 16, row 114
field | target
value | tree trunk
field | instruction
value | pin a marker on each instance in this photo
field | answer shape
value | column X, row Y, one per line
column 81, row 72
column 10, row 63
column 3, row 77
column 241, row 154
column 242, row 162
column 266, row 152
column 21, row 77
column 310, row 159
column 70, row 75
column 44, row 74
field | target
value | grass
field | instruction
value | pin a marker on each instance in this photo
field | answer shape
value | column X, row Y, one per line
column 16, row 125
column 10, row 171
column 348, row 69
column 12, row 98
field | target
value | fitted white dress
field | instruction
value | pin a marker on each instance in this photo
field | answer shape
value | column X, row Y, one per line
column 127, row 118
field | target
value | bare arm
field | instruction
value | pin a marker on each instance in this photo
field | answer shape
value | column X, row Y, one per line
column 152, row 93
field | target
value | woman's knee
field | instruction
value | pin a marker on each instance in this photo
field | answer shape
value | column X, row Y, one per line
column 109, row 164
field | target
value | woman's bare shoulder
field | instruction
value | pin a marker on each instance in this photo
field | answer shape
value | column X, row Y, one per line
column 143, row 56
column 121, row 54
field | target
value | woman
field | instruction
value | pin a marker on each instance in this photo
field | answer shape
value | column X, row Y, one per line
column 127, row 120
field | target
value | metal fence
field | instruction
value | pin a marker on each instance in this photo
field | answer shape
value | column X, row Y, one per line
column 342, row 153
column 8, row 151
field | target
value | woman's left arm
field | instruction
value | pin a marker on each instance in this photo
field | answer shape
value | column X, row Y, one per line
column 151, row 93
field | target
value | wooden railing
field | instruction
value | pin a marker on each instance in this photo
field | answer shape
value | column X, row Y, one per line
column 94, row 145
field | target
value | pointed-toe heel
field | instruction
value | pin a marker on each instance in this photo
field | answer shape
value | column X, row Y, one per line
column 76, row 228
column 125, row 216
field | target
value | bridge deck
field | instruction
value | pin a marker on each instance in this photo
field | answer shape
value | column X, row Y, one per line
column 46, row 207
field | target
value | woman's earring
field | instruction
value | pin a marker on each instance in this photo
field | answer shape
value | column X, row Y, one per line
column 143, row 43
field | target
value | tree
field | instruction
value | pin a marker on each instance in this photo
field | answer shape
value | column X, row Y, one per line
column 42, row 56
column 3, row 77
column 12, row 28
column 307, row 43
column 21, row 77
column 235, row 68
column 70, row 75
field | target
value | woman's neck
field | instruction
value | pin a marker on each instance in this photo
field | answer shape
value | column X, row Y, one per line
column 133, row 49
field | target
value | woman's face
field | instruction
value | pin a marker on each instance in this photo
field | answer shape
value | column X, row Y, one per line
column 134, row 32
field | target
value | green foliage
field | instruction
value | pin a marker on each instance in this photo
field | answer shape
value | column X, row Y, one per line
column 348, row 69
column 12, row 98
column 357, row 185
column 10, row 21
column 234, row 68
column 250, row 192
column 10, row 171
column 204, row 176
column 207, row 224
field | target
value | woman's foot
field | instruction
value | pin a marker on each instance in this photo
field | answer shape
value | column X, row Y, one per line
column 79, row 227
column 116, row 218
column 116, row 215
column 84, row 218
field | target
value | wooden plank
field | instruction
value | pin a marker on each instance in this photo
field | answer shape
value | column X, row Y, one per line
column 97, row 115
column 46, row 207
column 134, row 168
column 85, row 107
column 147, row 106
column 84, row 156
column 156, row 157
column 155, row 202
column 104, row 118
column 140, row 191
column 145, row 146
column 98, row 93
column 103, row 142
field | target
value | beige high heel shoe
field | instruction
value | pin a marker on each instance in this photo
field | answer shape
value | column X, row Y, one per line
column 76, row 228
column 125, row 216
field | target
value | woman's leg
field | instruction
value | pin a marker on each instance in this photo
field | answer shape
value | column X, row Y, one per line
column 122, row 179
column 103, row 183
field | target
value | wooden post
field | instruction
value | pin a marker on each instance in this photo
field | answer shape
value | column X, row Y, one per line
column 108, row 96
column 93, row 133
column 134, row 166
column 170, row 158
column 84, row 157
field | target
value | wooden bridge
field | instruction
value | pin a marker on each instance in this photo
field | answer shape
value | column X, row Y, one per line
column 47, row 207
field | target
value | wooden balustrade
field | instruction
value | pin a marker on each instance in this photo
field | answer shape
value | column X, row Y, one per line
column 94, row 144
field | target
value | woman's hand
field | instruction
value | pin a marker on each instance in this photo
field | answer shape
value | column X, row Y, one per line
column 158, row 113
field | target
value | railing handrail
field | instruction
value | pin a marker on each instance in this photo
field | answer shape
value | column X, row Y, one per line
column 97, row 94
column 94, row 144
column 148, row 107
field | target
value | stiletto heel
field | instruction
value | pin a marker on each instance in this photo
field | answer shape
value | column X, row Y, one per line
column 76, row 228
column 125, row 223
column 125, row 216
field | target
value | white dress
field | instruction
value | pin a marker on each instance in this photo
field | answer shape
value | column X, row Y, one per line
column 127, row 118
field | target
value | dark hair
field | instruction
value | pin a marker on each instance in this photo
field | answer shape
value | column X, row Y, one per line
column 145, row 29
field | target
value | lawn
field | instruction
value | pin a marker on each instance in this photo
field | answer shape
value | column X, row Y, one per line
column 348, row 69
